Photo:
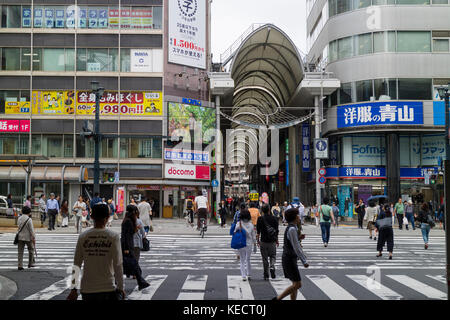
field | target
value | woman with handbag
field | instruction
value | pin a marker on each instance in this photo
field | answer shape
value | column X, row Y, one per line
column 371, row 217
column 99, row 251
column 426, row 222
column 131, row 265
column 245, row 253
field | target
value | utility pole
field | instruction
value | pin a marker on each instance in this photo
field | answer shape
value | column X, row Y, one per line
column 218, row 151
column 98, row 91
column 317, row 135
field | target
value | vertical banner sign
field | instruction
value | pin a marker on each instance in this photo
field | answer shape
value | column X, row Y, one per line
column 306, row 135
column 287, row 162
column 49, row 18
column 93, row 19
column 38, row 18
column 187, row 33
column 26, row 17
column 103, row 18
column 82, row 19
column 345, row 201
column 120, row 199
column 59, row 21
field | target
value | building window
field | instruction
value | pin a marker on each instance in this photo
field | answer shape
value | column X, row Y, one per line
column 385, row 89
column 333, row 50
column 9, row 144
column 384, row 41
column 124, row 148
column 363, row 44
column 440, row 1
column 10, row 59
column 413, row 41
column 345, row 93
column 344, row 6
column 441, row 45
column 36, row 141
column 357, row 4
column 418, row 2
column 11, row 16
column 53, row 145
column 345, row 48
column 68, row 146
column 364, row 90
column 125, row 60
column 109, row 148
column 332, row 7
column 415, row 89
column 58, row 59
column 381, row 2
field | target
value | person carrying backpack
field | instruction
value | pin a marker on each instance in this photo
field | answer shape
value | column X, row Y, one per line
column 325, row 214
column 246, row 224
column 267, row 239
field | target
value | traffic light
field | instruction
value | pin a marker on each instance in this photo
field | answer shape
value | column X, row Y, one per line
column 213, row 167
column 87, row 129
column 433, row 178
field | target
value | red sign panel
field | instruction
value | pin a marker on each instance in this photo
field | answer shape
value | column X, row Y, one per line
column 14, row 125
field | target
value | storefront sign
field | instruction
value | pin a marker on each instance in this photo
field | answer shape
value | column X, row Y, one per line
column 120, row 205
column 306, row 135
column 186, row 172
column 14, row 126
column 180, row 155
column 375, row 172
column 141, row 60
column 192, row 101
column 187, row 37
column 53, row 102
column 380, row 113
column 143, row 187
column 345, row 197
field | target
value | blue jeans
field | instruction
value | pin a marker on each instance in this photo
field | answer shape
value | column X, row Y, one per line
column 425, row 227
column 410, row 218
column 325, row 227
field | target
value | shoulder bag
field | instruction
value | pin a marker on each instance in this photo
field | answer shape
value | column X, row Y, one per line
column 145, row 244
column 430, row 221
column 325, row 217
column 16, row 238
column 239, row 240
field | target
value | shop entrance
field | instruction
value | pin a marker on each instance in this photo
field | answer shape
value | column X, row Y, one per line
column 151, row 194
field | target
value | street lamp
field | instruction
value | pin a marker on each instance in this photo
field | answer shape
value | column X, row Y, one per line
column 98, row 91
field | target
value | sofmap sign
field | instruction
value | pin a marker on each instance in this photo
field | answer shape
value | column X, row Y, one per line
column 186, row 172
column 380, row 113
column 187, row 38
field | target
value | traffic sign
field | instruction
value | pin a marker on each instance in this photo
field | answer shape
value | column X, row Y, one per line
column 322, row 171
column 322, row 180
column 253, row 196
column 321, row 148
column 215, row 183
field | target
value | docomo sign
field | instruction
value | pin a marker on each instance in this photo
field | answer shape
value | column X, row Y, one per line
column 14, row 125
column 186, row 172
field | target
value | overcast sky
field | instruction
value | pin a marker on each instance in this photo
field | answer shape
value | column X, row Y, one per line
column 230, row 18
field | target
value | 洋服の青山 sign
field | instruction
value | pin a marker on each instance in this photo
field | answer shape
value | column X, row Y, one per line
column 380, row 113
column 186, row 172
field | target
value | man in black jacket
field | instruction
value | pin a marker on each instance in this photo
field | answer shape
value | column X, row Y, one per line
column 361, row 210
column 267, row 237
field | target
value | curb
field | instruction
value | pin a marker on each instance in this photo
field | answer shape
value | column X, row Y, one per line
column 7, row 288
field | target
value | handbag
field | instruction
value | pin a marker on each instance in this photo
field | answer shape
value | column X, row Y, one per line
column 130, row 265
column 59, row 218
column 430, row 221
column 16, row 238
column 325, row 217
column 239, row 240
column 145, row 244
column 233, row 226
column 405, row 221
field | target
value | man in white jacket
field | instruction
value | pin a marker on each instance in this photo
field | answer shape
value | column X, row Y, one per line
column 145, row 210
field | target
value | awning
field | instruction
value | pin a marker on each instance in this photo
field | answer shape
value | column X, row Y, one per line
column 71, row 174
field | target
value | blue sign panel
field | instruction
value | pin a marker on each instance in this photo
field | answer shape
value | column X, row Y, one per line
column 49, row 18
column 192, row 101
column 93, row 21
column 345, row 197
column 59, row 21
column 38, row 18
column 26, row 17
column 306, row 135
column 102, row 18
column 376, row 172
column 82, row 20
column 439, row 113
column 380, row 113
column 214, row 183
column 170, row 154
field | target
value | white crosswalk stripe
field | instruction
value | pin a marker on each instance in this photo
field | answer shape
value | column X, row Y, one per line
column 330, row 288
column 418, row 286
column 52, row 291
column 239, row 289
column 281, row 284
column 194, row 282
column 439, row 278
column 375, row 287
column 147, row 293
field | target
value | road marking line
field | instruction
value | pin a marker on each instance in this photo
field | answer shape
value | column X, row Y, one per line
column 378, row 289
column 281, row 284
column 147, row 293
column 439, row 278
column 330, row 288
column 194, row 282
column 420, row 287
column 239, row 289
column 52, row 291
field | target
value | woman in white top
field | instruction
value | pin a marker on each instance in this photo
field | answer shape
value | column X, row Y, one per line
column 79, row 207
column 371, row 217
column 100, row 252
column 246, row 252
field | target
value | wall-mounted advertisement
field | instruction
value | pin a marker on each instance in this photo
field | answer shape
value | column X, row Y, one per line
column 187, row 33
column 185, row 118
column 186, row 172
column 141, row 60
column 83, row 103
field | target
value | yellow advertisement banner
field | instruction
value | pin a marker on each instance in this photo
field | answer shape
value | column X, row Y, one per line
column 83, row 103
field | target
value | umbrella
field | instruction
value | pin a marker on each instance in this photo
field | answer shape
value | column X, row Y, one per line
column 377, row 197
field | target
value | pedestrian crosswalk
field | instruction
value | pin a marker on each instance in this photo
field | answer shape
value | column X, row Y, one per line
column 193, row 288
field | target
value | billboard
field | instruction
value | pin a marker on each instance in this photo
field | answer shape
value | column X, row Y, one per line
column 184, row 118
column 8, row 125
column 83, row 103
column 187, row 33
column 186, row 172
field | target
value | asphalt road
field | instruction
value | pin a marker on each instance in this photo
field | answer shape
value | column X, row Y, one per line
column 184, row 266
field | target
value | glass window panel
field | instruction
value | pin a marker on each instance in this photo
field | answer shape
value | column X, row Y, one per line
column 415, row 89
column 367, row 150
column 53, row 60
column 113, row 59
column 433, row 147
column 157, row 17
column 124, row 148
column 386, row 88
column 81, row 59
column 413, row 41
column 97, row 60
column 157, row 148
column 8, row 95
column 68, row 146
column 23, row 144
column 142, row 18
column 10, row 144
column 363, row 90
column 25, row 60
column 70, row 60
column 347, row 151
column 11, row 59
column 384, row 41
column 344, row 6
column 54, row 146
column 413, row 1
column 332, row 7
column 36, row 144
column 80, row 147
column 89, row 148
column 363, row 44
column 333, row 54
column 334, row 98
column 125, row 60
column 11, row 17
column 405, row 148
column 145, row 148
column 441, row 45
column 134, row 148
column 345, row 93
column 345, row 48
column 37, row 59
column 361, row 4
column 440, row 1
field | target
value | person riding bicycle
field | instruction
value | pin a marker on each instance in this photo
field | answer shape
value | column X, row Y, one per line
column 201, row 206
column 190, row 209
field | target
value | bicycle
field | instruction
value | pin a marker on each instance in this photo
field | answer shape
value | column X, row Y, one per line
column 202, row 227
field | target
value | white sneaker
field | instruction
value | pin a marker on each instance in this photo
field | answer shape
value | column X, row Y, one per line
column 244, row 278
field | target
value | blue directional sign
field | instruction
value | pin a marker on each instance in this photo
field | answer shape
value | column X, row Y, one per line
column 215, row 183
